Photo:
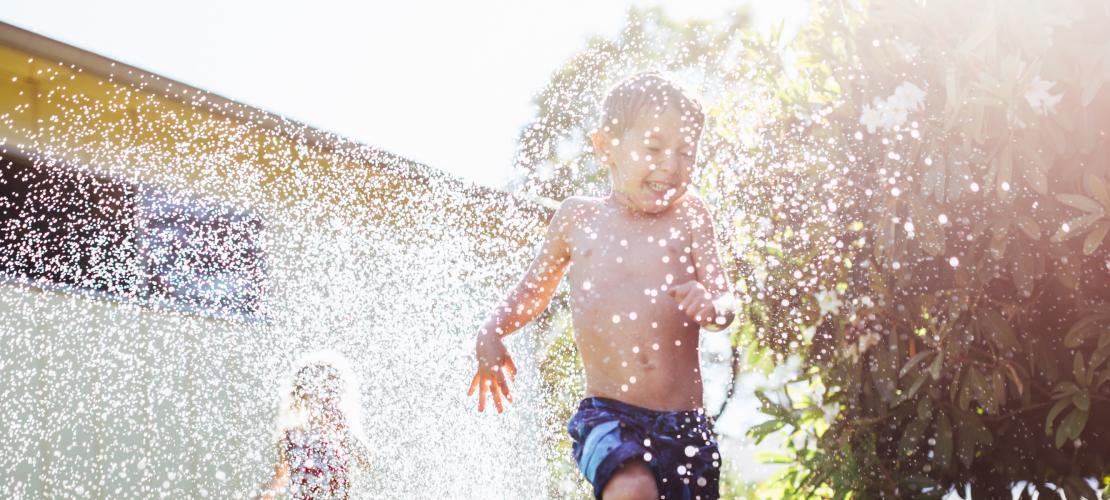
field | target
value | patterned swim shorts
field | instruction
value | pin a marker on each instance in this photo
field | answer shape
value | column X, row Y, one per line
column 677, row 446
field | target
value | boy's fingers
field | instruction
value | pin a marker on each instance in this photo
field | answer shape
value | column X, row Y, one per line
column 504, row 386
column 688, row 303
column 509, row 365
column 482, row 389
column 496, row 391
column 706, row 312
column 679, row 292
column 473, row 386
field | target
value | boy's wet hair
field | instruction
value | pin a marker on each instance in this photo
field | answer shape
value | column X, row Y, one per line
column 627, row 99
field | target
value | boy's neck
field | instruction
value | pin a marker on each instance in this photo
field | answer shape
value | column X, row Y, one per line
column 621, row 203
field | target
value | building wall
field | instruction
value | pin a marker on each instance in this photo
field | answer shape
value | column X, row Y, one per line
column 374, row 256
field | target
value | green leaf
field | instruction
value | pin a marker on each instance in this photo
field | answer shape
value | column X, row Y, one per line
column 1025, row 271
column 1094, row 238
column 963, row 398
column 1029, row 227
column 1000, row 236
column 1005, row 163
column 1049, row 422
column 1081, row 400
column 924, row 408
column 1079, row 368
column 936, row 365
column 911, row 436
column 1080, row 202
column 969, row 436
column 1065, row 388
column 999, row 384
column 1075, row 227
column 1098, row 189
column 1071, row 427
column 921, row 378
column 761, row 431
column 1085, row 328
column 1100, row 355
column 1037, row 177
column 1001, row 331
column 774, row 409
column 942, row 453
column 914, row 361
column 981, row 390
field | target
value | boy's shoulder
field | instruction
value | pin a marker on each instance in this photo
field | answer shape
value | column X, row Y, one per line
column 574, row 202
column 692, row 206
column 574, row 208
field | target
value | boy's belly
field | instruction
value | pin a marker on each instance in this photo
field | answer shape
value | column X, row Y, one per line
column 636, row 346
column 659, row 371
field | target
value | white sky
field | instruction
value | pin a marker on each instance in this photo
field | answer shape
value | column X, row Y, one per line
column 446, row 83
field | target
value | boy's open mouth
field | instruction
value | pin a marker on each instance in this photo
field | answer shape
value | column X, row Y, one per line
column 660, row 188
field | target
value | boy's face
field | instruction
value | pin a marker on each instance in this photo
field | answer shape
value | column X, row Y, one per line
column 652, row 161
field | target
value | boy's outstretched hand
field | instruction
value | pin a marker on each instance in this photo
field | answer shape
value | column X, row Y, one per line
column 493, row 364
column 694, row 300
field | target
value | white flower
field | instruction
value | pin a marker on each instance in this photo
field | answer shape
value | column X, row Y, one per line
column 908, row 97
column 808, row 332
column 851, row 353
column 1039, row 99
column 871, row 117
column 892, row 112
column 828, row 301
column 893, row 117
column 867, row 340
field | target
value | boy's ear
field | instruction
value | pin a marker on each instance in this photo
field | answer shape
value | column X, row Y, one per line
column 600, row 141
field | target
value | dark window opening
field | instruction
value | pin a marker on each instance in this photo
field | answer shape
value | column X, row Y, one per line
column 203, row 256
column 68, row 227
column 60, row 225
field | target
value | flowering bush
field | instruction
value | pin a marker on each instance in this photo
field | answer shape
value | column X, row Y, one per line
column 922, row 212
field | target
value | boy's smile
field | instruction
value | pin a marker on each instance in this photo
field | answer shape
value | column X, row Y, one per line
column 652, row 160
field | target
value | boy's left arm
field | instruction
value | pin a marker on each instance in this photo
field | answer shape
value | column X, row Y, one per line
column 709, row 299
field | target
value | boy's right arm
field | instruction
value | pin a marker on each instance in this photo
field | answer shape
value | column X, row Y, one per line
column 524, row 303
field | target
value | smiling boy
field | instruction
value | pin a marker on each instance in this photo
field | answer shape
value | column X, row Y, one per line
column 645, row 277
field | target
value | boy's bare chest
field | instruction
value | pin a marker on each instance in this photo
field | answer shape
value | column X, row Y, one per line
column 617, row 250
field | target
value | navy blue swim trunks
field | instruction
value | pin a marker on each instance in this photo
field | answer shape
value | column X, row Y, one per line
column 677, row 446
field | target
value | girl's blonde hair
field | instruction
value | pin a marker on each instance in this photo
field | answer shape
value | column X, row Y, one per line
column 321, row 391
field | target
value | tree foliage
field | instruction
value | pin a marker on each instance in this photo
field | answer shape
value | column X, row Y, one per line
column 928, row 229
